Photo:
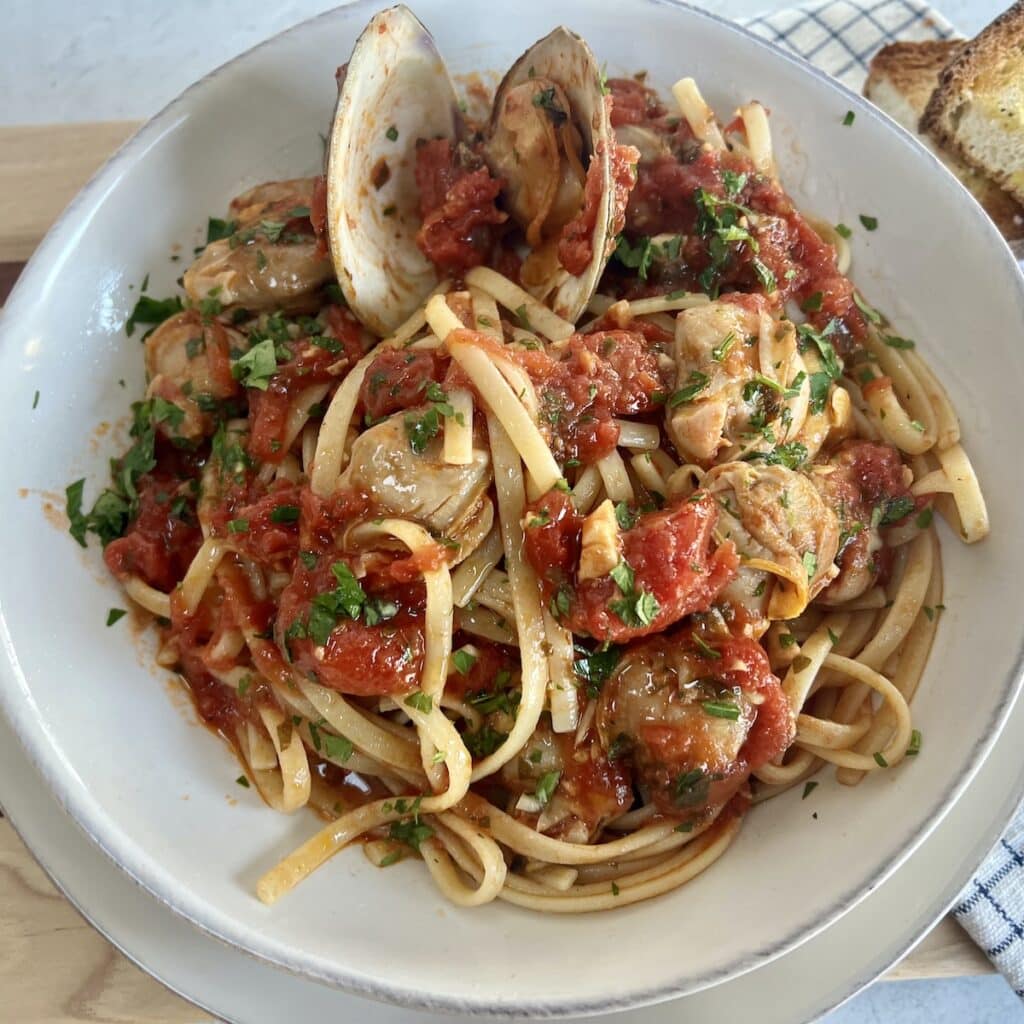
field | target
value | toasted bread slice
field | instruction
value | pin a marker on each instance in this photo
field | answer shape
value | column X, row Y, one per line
column 902, row 77
column 901, row 80
column 977, row 109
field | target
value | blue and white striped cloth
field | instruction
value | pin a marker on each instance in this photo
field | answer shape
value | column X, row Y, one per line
column 840, row 37
column 991, row 908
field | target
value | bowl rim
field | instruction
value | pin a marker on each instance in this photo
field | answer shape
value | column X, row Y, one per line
column 143, row 868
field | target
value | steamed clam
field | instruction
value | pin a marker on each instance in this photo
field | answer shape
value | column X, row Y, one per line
column 551, row 143
column 414, row 194
column 450, row 500
column 270, row 258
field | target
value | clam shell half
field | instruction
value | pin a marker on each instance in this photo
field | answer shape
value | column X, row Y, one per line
column 396, row 91
column 565, row 61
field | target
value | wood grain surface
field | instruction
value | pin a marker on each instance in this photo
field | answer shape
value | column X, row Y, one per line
column 53, row 967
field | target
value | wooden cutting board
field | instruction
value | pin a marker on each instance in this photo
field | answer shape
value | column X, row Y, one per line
column 53, row 967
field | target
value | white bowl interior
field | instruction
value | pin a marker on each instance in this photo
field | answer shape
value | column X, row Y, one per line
column 158, row 792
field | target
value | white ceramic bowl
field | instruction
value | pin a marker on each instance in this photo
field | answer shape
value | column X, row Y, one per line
column 157, row 793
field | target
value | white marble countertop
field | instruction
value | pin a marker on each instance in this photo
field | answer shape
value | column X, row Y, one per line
column 106, row 60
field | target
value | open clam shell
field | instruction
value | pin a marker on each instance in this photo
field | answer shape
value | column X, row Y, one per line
column 396, row 91
column 549, row 126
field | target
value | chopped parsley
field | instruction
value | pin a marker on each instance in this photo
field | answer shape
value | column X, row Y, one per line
column 764, row 275
column 152, row 311
column 880, row 759
column 810, row 563
column 722, row 709
column 255, row 368
column 500, row 700
column 547, row 101
column 706, row 650
column 892, row 510
column 868, row 310
column 641, row 256
column 636, row 257
column 843, row 231
column 625, row 516
column 35, row 400
column 721, row 350
column 718, row 224
column 561, row 602
column 378, row 610
column 420, row 701
column 217, row 229
column 285, row 514
column 809, row 788
column 915, row 743
column 869, row 222
column 338, row 748
column 115, row 615
column 392, row 133
column 924, row 518
column 831, row 366
column 410, row 831
column 242, row 781
column 347, row 599
column 734, row 183
column 812, row 304
column 696, row 383
column 791, row 455
column 894, row 341
column 691, row 788
column 118, row 504
column 484, row 741
column 546, row 787
column 848, row 119
column 308, row 559
column 421, row 430
column 636, row 608
column 595, row 667
column 463, row 662
column 238, row 526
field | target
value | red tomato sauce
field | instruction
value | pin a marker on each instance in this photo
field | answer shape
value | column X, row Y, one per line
column 680, row 744
column 800, row 261
column 597, row 788
column 866, row 476
column 670, row 553
column 270, row 534
column 159, row 544
column 457, row 207
column 633, row 102
column 356, row 659
column 396, row 380
column 309, row 365
column 576, row 242
column 601, row 375
column 490, row 659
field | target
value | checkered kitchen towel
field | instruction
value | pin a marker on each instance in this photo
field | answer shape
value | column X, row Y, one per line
column 841, row 37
